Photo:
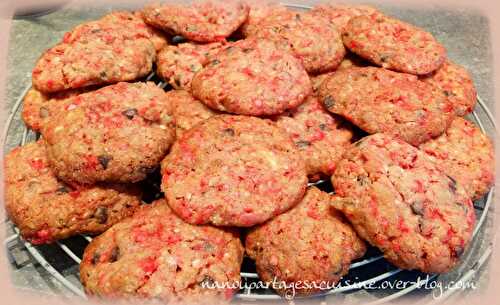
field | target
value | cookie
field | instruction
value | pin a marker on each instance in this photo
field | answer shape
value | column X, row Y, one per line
column 46, row 209
column 187, row 111
column 400, row 201
column 259, row 10
column 118, row 133
column 157, row 37
column 340, row 14
column 178, row 64
column 155, row 255
column 393, row 44
column 466, row 154
column 320, row 137
column 38, row 107
column 379, row 100
column 457, row 85
column 201, row 21
column 310, row 38
column 323, row 246
column 233, row 171
column 114, row 48
column 252, row 77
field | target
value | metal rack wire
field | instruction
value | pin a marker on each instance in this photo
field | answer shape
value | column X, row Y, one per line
column 63, row 257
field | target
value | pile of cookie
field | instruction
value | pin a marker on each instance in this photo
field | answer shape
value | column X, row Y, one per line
column 262, row 102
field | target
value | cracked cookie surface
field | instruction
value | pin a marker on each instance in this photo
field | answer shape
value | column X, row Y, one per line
column 155, row 255
column 310, row 243
column 46, row 209
column 118, row 133
column 400, row 201
column 233, row 171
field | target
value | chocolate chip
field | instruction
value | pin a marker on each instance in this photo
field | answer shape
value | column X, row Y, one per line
column 193, row 68
column 115, row 253
column 130, row 113
column 103, row 75
column 95, row 31
column 247, row 50
column 63, row 190
column 452, row 184
column 362, row 180
column 215, row 62
column 229, row 132
column 323, row 126
column 297, row 17
column 207, row 282
column 417, row 208
column 328, row 102
column 101, row 214
column 384, row 58
column 104, row 160
column 459, row 250
column 95, row 258
column 44, row 112
column 302, row 144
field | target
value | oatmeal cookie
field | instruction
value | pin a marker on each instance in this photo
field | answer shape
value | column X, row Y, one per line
column 46, row 209
column 457, row 85
column 118, row 133
column 379, row 100
column 115, row 48
column 466, row 154
column 312, row 243
column 155, row 255
column 393, row 44
column 400, row 201
column 233, row 171
column 252, row 77
column 340, row 14
column 201, row 21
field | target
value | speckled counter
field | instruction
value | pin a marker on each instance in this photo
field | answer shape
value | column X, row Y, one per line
column 464, row 33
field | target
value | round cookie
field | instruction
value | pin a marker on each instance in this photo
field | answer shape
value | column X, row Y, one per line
column 379, row 100
column 201, row 21
column 457, row 85
column 115, row 48
column 323, row 246
column 259, row 10
column 252, row 77
column 178, row 64
column 400, row 201
column 45, row 209
column 155, row 255
column 187, row 111
column 393, row 44
column 233, row 171
column 118, row 133
column 466, row 154
column 310, row 38
column 320, row 137
column 340, row 14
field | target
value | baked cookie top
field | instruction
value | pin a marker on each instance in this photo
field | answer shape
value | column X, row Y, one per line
column 457, row 85
column 154, row 254
column 340, row 14
column 233, row 171
column 466, row 154
column 115, row 48
column 400, row 201
column 379, row 100
column 118, row 133
column 252, row 77
column 310, row 243
column 393, row 44
column 310, row 38
column 201, row 21
column 46, row 209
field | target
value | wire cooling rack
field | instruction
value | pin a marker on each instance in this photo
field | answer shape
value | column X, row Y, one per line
column 61, row 259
